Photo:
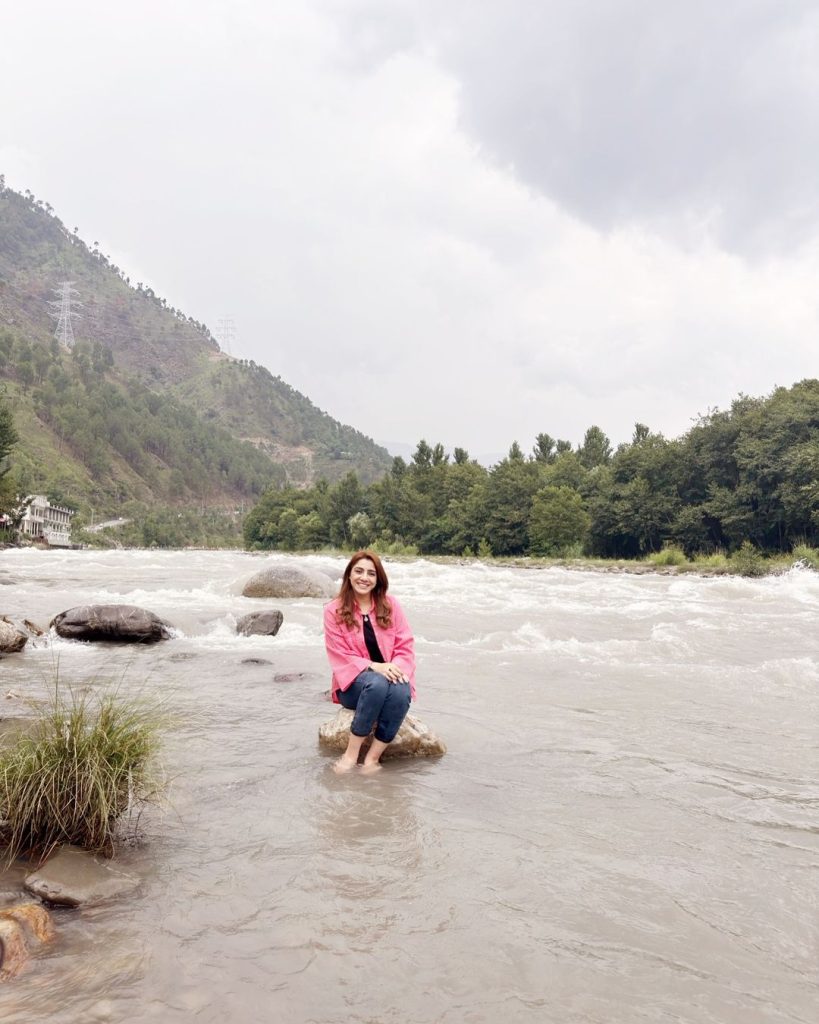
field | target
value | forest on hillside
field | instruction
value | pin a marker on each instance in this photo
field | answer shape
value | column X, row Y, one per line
column 144, row 406
column 132, row 442
column 747, row 475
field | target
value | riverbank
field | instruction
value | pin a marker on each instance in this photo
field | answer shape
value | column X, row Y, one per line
column 747, row 561
column 669, row 562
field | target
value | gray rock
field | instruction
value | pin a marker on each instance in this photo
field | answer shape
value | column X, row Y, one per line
column 74, row 878
column 12, row 639
column 256, row 661
column 294, row 677
column 324, row 565
column 414, row 739
column 260, row 623
column 289, row 581
column 31, row 629
column 122, row 623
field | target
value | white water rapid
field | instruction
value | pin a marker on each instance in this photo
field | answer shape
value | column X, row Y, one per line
column 625, row 828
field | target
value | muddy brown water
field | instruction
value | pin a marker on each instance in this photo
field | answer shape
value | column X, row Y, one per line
column 625, row 828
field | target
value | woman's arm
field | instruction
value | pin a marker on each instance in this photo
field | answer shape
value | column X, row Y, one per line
column 403, row 650
column 345, row 661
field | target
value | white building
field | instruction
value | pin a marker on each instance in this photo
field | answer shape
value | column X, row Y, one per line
column 51, row 523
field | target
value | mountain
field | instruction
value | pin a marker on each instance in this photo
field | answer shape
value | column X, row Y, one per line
column 143, row 406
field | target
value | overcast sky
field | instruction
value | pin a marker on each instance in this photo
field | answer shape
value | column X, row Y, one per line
column 464, row 220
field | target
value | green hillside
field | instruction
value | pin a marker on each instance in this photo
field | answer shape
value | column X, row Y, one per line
column 144, row 407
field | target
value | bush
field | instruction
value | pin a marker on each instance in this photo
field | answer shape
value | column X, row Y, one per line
column 806, row 555
column 394, row 547
column 87, row 762
column 670, row 555
column 748, row 561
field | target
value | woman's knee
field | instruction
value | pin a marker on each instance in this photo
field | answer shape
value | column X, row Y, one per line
column 399, row 696
column 374, row 682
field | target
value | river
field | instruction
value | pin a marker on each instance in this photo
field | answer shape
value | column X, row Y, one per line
column 625, row 828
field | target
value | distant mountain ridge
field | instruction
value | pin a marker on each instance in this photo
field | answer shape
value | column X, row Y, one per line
column 146, row 391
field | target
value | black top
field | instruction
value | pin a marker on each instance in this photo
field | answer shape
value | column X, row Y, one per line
column 371, row 642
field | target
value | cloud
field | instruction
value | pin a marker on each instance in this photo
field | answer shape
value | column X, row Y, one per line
column 462, row 222
column 697, row 118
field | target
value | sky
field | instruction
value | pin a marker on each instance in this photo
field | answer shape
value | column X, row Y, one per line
column 470, row 221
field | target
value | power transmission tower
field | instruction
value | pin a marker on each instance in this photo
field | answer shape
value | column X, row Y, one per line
column 63, row 312
column 226, row 333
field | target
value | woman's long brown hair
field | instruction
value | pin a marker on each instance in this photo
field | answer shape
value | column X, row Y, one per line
column 346, row 595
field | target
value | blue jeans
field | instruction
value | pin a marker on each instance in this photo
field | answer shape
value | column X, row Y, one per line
column 374, row 698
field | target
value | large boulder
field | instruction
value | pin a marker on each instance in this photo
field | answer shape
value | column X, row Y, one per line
column 260, row 623
column 123, row 623
column 12, row 639
column 289, row 581
column 22, row 927
column 71, row 877
column 414, row 739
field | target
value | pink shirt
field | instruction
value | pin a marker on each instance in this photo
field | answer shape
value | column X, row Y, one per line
column 348, row 653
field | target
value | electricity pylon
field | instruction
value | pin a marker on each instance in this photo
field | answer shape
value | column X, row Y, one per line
column 226, row 333
column 63, row 312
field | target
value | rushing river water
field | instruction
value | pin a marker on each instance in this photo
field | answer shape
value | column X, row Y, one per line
column 625, row 828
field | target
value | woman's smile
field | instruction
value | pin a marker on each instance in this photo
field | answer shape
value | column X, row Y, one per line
column 363, row 577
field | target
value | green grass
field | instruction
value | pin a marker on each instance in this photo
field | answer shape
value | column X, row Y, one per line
column 87, row 762
column 716, row 560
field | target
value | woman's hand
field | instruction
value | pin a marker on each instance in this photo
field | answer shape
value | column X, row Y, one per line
column 393, row 673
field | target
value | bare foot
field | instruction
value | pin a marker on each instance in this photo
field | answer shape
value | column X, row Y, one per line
column 343, row 764
column 371, row 766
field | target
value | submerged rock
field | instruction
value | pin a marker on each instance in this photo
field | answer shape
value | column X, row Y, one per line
column 260, row 623
column 22, row 928
column 293, row 677
column 414, row 739
column 289, row 581
column 122, row 623
column 72, row 877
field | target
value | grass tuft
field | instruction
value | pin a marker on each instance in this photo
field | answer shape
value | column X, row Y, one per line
column 670, row 555
column 88, row 761
column 715, row 560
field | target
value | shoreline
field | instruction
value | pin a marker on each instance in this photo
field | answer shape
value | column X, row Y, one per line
column 766, row 566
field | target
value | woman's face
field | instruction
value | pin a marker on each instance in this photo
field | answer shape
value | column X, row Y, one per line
column 363, row 577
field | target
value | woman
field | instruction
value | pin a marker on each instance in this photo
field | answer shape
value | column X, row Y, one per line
column 372, row 655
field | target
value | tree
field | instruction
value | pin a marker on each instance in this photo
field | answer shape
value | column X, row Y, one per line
column 422, row 458
column 343, row 501
column 8, row 439
column 360, row 530
column 595, row 450
column 544, row 449
column 557, row 521
column 460, row 456
column 515, row 453
column 509, row 491
column 439, row 455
